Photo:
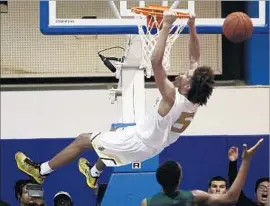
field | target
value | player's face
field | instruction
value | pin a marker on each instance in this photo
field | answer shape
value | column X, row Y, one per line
column 182, row 81
column 262, row 194
column 217, row 187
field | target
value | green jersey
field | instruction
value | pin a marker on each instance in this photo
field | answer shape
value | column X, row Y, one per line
column 183, row 198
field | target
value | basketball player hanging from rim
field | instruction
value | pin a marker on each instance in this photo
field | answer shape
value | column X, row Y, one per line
column 161, row 127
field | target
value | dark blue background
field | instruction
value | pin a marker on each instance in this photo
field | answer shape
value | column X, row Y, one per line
column 201, row 158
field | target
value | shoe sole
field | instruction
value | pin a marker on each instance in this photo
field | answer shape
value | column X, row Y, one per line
column 86, row 177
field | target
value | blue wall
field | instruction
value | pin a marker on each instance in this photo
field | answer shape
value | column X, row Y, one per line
column 201, row 158
column 257, row 51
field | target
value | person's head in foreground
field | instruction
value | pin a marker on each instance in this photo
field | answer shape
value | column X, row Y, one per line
column 197, row 85
column 29, row 193
column 217, row 185
column 262, row 191
column 169, row 176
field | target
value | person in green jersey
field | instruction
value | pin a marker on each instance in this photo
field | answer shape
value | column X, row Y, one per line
column 169, row 176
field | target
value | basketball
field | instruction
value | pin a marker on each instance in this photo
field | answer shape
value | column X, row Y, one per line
column 237, row 27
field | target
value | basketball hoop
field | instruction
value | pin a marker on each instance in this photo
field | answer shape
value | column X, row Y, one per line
column 149, row 32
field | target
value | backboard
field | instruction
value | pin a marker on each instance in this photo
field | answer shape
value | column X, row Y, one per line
column 120, row 18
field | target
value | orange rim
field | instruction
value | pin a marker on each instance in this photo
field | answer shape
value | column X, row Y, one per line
column 156, row 10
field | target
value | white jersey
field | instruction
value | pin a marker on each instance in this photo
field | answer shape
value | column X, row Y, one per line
column 148, row 138
column 158, row 132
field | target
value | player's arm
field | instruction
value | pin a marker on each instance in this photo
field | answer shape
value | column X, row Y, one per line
column 233, row 193
column 194, row 44
column 144, row 202
column 231, row 196
column 232, row 173
column 165, row 86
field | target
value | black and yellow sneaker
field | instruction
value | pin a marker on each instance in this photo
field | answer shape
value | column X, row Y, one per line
column 85, row 167
column 26, row 165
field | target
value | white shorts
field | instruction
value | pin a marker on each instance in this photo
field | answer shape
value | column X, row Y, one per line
column 121, row 147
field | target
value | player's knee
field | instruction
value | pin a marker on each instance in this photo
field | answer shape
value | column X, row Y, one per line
column 83, row 140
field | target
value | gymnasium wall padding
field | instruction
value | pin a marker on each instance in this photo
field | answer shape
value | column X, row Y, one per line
column 202, row 157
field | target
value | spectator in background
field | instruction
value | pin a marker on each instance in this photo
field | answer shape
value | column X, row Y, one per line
column 29, row 193
column 62, row 199
column 217, row 185
column 100, row 192
column 261, row 187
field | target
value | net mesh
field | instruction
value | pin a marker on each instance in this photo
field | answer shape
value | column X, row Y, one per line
column 149, row 35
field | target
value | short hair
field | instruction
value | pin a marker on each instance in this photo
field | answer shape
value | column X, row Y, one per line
column 168, row 176
column 19, row 186
column 217, row 178
column 259, row 181
column 202, row 84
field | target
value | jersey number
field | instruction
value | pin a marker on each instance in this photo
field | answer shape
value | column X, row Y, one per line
column 184, row 120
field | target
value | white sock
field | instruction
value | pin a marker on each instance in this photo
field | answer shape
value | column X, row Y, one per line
column 45, row 168
column 95, row 172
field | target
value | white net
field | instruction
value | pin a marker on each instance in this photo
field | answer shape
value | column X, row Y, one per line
column 149, row 35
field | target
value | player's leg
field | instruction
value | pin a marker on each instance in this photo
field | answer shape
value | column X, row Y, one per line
column 40, row 171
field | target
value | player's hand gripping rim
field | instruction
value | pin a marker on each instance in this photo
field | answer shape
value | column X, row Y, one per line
column 169, row 18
